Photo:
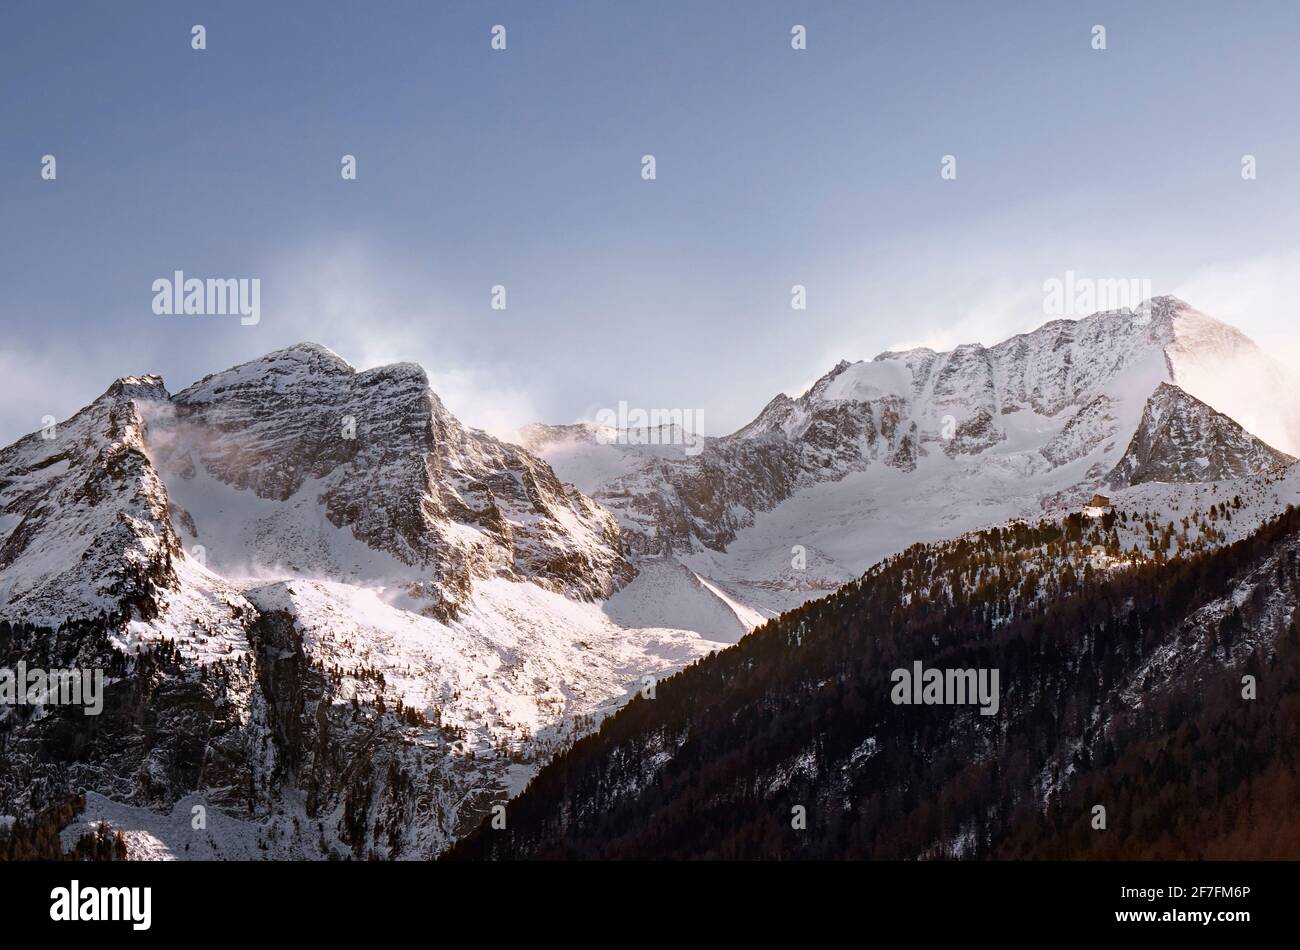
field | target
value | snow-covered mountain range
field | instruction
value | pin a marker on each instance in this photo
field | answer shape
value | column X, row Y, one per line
column 921, row 445
column 371, row 623
column 292, row 506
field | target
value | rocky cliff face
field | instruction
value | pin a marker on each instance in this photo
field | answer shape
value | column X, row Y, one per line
column 327, row 613
column 916, row 445
column 347, row 624
column 1049, row 397
column 377, row 454
column 253, row 467
column 1181, row 439
column 84, row 520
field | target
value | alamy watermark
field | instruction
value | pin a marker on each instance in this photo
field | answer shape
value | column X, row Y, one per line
column 215, row 296
column 626, row 426
column 935, row 687
column 75, row 903
column 1081, row 296
column 24, row 686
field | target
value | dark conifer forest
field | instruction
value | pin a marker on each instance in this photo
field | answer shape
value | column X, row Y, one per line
column 1126, row 688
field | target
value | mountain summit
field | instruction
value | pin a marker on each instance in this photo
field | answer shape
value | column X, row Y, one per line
column 293, row 463
column 349, row 624
column 1181, row 439
column 374, row 455
column 320, row 603
column 922, row 445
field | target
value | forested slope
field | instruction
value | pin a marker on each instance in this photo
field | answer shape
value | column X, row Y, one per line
column 1121, row 685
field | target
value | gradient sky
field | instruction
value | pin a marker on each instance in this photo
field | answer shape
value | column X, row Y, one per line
column 522, row 168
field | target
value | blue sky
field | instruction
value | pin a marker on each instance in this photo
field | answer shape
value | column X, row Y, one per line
column 522, row 168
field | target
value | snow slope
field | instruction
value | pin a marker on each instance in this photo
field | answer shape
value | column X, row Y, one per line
column 922, row 445
column 380, row 620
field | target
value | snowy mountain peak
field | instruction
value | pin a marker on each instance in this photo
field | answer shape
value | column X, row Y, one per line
column 293, row 464
column 305, row 351
column 1180, row 439
column 137, row 387
column 1163, row 306
column 84, row 523
column 288, row 367
column 381, row 619
column 360, row 614
column 1177, row 323
column 924, row 444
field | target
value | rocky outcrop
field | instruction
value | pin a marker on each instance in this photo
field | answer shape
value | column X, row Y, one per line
column 1042, row 412
column 327, row 613
column 85, row 525
column 1181, row 439
column 379, row 457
